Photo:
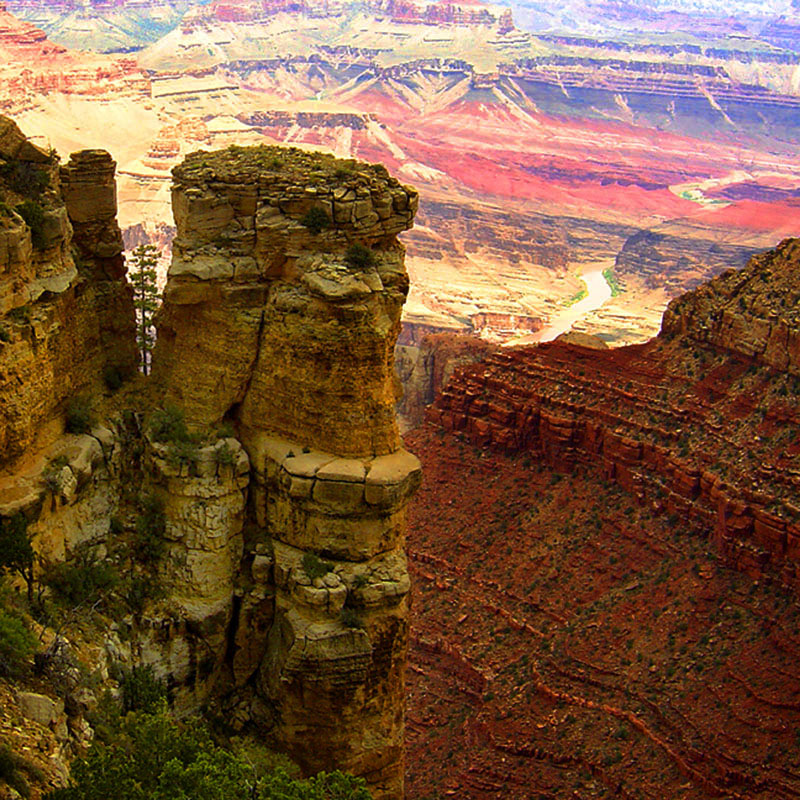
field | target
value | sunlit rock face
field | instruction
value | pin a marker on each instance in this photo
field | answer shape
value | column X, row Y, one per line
column 280, row 317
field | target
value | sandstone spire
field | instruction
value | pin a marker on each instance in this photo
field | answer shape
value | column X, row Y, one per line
column 280, row 317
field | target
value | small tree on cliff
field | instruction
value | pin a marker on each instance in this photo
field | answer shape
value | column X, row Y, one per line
column 16, row 553
column 145, row 298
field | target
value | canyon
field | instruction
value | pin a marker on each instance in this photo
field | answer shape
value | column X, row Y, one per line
column 540, row 155
column 605, row 559
column 596, row 594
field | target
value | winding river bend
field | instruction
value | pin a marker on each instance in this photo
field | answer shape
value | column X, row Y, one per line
column 597, row 293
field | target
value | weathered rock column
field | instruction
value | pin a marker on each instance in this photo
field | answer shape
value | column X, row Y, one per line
column 281, row 315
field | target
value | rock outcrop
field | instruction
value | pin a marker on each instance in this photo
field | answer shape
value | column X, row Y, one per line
column 425, row 367
column 754, row 312
column 280, row 317
column 65, row 311
column 260, row 553
column 700, row 422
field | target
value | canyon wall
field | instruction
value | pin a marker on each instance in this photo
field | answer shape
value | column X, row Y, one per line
column 700, row 423
column 65, row 311
column 250, row 495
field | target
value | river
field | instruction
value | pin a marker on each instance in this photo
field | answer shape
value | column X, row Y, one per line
column 597, row 292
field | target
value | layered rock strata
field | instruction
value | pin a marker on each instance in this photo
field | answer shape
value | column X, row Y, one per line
column 280, row 317
column 261, row 554
column 700, row 422
column 425, row 368
column 65, row 312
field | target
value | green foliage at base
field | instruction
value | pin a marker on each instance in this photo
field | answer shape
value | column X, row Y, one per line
column 153, row 757
column 613, row 283
column 33, row 214
column 141, row 690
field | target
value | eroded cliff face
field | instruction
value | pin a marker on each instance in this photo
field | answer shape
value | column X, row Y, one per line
column 260, row 556
column 754, row 312
column 280, row 317
column 66, row 333
column 65, row 311
column 700, row 422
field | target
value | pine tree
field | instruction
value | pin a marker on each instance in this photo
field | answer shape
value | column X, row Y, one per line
column 142, row 276
column 16, row 553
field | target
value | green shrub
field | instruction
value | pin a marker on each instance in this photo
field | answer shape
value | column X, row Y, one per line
column 11, row 771
column 17, row 643
column 21, row 315
column 226, row 430
column 316, row 219
column 263, row 760
column 183, row 454
column 350, row 619
column 113, row 376
column 83, row 580
column 153, row 756
column 151, row 526
column 224, row 456
column 169, row 425
column 359, row 257
column 141, row 690
column 33, row 214
column 80, row 416
column 16, row 553
column 51, row 478
column 24, row 177
column 315, row 567
column 140, row 589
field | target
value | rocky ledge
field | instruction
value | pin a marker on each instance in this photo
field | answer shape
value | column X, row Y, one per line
column 700, row 423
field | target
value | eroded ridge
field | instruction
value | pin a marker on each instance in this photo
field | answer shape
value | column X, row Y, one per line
column 702, row 420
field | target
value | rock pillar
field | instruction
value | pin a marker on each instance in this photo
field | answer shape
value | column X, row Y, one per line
column 280, row 317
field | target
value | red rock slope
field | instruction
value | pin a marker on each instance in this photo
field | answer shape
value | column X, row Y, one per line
column 576, row 632
column 701, row 422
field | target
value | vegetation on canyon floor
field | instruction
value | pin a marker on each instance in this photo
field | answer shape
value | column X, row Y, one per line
column 152, row 756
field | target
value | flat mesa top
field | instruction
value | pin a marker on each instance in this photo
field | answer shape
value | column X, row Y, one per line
column 269, row 164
